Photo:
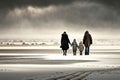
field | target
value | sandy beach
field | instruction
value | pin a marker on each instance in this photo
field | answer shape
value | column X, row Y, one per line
column 52, row 65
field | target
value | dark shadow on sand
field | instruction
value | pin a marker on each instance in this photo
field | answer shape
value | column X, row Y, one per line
column 42, row 61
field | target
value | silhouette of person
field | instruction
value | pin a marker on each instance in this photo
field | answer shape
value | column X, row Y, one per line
column 87, row 41
column 65, row 43
column 74, row 46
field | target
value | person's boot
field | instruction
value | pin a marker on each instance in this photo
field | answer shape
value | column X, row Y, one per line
column 65, row 53
column 80, row 53
column 74, row 53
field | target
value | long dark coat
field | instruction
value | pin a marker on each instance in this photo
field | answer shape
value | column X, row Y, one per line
column 87, row 40
column 65, row 42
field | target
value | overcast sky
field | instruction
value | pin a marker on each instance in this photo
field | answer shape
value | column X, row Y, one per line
column 47, row 19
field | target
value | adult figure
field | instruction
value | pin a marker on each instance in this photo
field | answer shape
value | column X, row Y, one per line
column 65, row 43
column 87, row 41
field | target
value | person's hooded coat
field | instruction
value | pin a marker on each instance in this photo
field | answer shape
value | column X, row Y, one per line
column 74, row 45
column 65, row 41
column 87, row 40
column 81, row 46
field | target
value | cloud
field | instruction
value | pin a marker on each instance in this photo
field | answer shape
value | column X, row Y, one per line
column 112, row 3
column 36, row 3
column 51, row 16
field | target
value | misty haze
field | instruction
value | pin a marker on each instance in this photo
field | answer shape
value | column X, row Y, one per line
column 42, row 39
column 33, row 19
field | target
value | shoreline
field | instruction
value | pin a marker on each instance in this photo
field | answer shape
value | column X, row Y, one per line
column 116, row 51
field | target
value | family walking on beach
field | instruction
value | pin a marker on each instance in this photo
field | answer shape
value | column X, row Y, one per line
column 87, row 41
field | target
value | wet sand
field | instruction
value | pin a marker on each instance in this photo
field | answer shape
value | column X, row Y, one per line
column 51, row 65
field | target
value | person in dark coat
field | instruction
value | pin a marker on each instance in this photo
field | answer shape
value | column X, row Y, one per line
column 65, row 43
column 87, row 41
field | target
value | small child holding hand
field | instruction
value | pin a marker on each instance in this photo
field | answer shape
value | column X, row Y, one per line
column 74, row 46
column 81, row 47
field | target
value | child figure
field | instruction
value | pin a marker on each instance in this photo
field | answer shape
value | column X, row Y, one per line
column 81, row 47
column 74, row 46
